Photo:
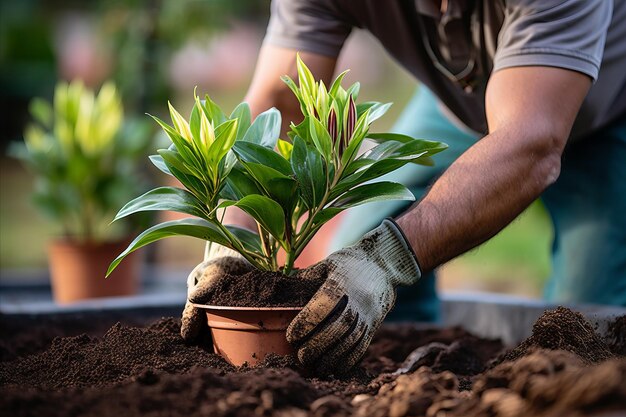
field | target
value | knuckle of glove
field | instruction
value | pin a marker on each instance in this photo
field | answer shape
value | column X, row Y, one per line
column 321, row 305
column 192, row 323
column 331, row 332
column 202, row 278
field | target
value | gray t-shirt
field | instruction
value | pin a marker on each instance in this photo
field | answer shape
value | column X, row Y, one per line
column 454, row 53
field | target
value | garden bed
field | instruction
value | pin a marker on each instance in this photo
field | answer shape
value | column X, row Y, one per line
column 79, row 366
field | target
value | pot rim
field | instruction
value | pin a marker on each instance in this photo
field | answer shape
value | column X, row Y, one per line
column 214, row 307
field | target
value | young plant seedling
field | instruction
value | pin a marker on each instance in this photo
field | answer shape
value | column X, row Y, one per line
column 290, row 188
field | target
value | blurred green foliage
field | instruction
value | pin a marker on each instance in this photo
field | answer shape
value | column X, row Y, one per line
column 144, row 34
column 85, row 158
column 137, row 36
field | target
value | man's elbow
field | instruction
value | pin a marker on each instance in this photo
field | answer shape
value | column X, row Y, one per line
column 547, row 149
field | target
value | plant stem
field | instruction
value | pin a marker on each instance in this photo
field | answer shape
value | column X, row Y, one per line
column 264, row 242
column 289, row 262
column 235, row 243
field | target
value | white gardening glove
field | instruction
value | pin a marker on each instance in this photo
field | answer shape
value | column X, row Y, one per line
column 218, row 260
column 335, row 328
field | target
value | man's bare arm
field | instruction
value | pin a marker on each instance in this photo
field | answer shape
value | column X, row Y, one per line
column 530, row 112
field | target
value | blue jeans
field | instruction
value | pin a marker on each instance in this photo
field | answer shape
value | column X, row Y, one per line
column 587, row 205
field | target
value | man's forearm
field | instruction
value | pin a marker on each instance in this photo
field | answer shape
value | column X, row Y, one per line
column 479, row 194
column 530, row 112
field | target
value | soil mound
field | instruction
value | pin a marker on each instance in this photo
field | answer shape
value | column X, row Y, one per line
column 82, row 361
column 266, row 289
column 563, row 329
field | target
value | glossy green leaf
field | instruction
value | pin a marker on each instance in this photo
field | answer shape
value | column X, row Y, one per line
column 379, row 191
column 157, row 161
column 265, row 129
column 263, row 174
column 354, row 89
column 334, row 87
column 198, row 228
column 227, row 163
column 375, row 170
column 305, row 78
column 408, row 150
column 225, row 136
column 326, row 214
column 165, row 199
column 383, row 150
column 180, row 124
column 363, row 107
column 238, row 185
column 321, row 138
column 267, row 212
column 428, row 144
column 244, row 117
column 274, row 184
column 173, row 159
column 292, row 85
column 358, row 136
column 377, row 111
column 251, row 152
column 424, row 160
column 250, row 240
column 357, row 165
column 194, row 121
column 308, row 166
column 183, row 147
column 383, row 137
column 213, row 111
column 284, row 148
column 302, row 130
column 193, row 184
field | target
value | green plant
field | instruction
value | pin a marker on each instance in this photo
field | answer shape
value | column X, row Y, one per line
column 291, row 192
column 84, row 158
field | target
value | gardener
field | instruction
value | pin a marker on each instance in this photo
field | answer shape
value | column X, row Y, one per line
column 541, row 83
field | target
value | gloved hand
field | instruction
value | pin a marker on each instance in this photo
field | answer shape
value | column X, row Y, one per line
column 218, row 260
column 335, row 328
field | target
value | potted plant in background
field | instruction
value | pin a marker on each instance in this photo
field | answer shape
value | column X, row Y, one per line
column 84, row 159
column 289, row 188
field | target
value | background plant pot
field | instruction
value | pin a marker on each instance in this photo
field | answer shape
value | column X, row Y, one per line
column 248, row 334
column 77, row 270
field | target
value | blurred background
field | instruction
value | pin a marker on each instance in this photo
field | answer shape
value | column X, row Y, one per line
column 159, row 50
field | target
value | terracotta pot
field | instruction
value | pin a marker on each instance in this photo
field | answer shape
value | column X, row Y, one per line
column 248, row 334
column 77, row 270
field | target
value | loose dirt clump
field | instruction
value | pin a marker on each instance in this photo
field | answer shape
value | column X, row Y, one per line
column 563, row 329
column 550, row 383
column 419, row 393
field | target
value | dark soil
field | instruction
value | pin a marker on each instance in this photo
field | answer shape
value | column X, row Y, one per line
column 616, row 336
column 149, row 371
column 265, row 289
column 564, row 329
